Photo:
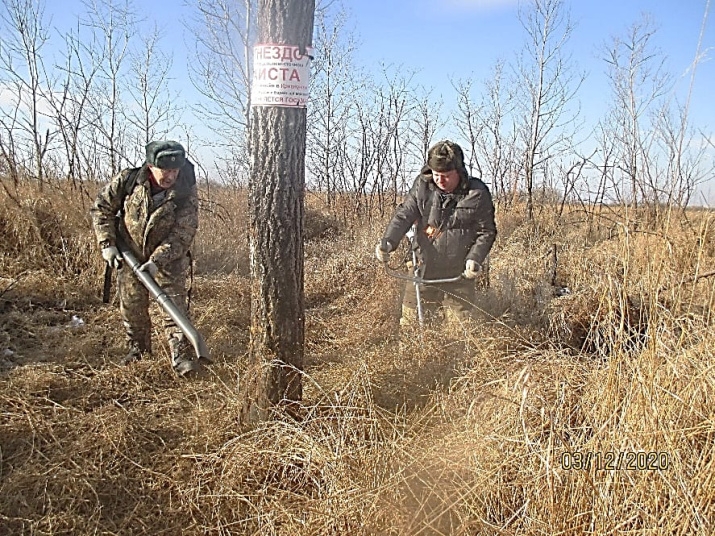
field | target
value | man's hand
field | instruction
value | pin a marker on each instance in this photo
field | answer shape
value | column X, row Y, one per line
column 150, row 268
column 383, row 250
column 112, row 256
column 471, row 269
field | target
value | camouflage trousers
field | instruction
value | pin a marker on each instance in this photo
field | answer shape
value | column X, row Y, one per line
column 134, row 307
column 453, row 299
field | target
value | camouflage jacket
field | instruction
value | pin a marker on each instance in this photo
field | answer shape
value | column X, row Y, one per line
column 160, row 231
column 451, row 228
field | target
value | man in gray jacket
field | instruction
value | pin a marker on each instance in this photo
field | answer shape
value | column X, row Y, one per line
column 453, row 215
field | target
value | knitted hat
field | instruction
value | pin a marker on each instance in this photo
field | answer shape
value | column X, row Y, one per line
column 165, row 154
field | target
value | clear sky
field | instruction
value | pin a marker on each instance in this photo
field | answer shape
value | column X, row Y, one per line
column 444, row 39
column 461, row 38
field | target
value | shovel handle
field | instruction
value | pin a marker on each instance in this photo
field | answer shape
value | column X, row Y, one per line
column 420, row 280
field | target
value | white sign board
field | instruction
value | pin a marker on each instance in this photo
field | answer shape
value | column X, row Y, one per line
column 281, row 76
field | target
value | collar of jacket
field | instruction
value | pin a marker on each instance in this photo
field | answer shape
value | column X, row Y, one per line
column 182, row 184
column 143, row 174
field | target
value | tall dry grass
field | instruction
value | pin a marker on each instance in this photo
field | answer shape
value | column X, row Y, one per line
column 454, row 429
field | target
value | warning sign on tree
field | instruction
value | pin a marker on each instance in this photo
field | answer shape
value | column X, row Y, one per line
column 281, row 76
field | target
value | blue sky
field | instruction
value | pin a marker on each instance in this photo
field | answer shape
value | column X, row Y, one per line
column 462, row 38
column 444, row 39
column 449, row 39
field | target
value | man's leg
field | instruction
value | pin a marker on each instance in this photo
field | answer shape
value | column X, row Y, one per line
column 459, row 298
column 430, row 298
column 134, row 308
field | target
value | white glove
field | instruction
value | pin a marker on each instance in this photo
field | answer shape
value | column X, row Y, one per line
column 150, row 268
column 383, row 250
column 112, row 256
column 471, row 269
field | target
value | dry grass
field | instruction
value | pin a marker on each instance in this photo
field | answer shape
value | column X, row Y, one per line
column 452, row 430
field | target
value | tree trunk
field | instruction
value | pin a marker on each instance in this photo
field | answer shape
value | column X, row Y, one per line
column 276, row 199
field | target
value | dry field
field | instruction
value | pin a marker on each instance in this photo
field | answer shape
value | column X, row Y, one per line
column 525, row 422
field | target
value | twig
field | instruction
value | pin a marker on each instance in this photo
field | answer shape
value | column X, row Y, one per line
column 12, row 284
column 696, row 278
column 692, row 279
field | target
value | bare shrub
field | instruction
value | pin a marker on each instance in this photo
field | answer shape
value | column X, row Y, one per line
column 452, row 429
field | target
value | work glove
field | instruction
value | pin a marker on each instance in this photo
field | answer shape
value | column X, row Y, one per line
column 112, row 256
column 383, row 250
column 150, row 268
column 471, row 269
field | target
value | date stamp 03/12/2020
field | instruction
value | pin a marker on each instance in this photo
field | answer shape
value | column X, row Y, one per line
column 615, row 461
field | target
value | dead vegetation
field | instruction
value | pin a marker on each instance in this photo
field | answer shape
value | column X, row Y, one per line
column 455, row 430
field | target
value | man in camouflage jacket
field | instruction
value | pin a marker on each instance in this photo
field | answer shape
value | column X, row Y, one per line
column 454, row 218
column 154, row 210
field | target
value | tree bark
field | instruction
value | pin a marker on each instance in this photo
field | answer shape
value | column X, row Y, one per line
column 276, row 206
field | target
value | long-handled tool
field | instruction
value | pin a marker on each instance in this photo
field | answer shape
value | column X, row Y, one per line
column 166, row 303
column 417, row 278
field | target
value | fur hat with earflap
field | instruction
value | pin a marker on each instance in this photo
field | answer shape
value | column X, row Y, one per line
column 445, row 156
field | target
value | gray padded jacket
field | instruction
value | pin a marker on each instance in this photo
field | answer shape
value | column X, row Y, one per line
column 451, row 228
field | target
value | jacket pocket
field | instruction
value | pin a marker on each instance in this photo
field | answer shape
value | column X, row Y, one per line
column 464, row 218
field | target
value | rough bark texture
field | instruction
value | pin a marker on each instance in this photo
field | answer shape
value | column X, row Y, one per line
column 276, row 197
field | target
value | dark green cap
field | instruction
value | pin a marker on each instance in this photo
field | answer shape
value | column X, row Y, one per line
column 445, row 156
column 165, row 154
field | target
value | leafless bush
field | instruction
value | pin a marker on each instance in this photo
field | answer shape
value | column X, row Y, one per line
column 454, row 428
